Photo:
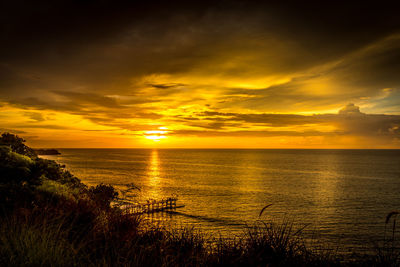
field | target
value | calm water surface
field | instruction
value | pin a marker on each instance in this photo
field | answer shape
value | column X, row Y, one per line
column 342, row 195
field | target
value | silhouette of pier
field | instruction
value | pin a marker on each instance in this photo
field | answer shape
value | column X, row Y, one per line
column 152, row 206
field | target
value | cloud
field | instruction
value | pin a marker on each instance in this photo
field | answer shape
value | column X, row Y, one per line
column 35, row 116
column 14, row 131
column 350, row 109
column 228, row 40
column 167, row 86
column 265, row 133
column 255, row 68
column 89, row 98
column 349, row 121
column 42, row 126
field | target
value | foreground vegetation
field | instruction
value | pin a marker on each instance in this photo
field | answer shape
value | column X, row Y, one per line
column 48, row 217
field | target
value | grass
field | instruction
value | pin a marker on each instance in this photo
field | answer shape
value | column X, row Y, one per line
column 388, row 252
column 65, row 232
column 32, row 244
column 65, row 235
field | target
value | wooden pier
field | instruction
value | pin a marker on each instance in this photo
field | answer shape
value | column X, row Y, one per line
column 152, row 206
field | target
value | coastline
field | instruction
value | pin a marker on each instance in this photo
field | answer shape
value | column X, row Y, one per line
column 46, row 151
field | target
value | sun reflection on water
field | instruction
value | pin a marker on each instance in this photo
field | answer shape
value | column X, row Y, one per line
column 153, row 174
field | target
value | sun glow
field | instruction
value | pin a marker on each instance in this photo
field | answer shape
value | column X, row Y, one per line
column 156, row 135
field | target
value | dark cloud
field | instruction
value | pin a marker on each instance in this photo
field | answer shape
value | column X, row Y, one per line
column 103, row 45
column 102, row 110
column 35, row 116
column 276, row 120
column 82, row 98
column 376, row 66
column 167, row 86
column 265, row 133
column 348, row 121
column 42, row 126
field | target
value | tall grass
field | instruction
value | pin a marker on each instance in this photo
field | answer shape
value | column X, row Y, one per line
column 270, row 244
column 72, row 234
column 32, row 244
column 387, row 252
column 68, row 238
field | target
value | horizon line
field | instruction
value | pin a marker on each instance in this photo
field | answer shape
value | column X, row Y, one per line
column 215, row 148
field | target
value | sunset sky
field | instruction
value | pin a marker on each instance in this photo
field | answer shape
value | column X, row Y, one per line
column 206, row 74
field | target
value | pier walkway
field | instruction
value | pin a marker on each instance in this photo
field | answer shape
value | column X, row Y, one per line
column 152, row 206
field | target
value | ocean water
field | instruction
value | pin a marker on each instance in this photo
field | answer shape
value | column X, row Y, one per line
column 341, row 196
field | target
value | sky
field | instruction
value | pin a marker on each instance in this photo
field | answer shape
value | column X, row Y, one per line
column 201, row 74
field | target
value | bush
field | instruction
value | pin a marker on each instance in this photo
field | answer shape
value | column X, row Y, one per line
column 17, row 168
column 103, row 195
column 21, row 172
column 17, row 145
column 53, row 171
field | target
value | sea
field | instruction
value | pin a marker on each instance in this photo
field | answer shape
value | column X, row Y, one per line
column 339, row 199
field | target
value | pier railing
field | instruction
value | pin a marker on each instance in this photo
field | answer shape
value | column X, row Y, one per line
column 152, row 206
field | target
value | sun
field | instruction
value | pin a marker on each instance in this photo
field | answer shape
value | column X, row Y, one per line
column 156, row 135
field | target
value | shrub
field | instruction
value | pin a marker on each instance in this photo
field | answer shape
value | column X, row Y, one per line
column 103, row 195
column 17, row 144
